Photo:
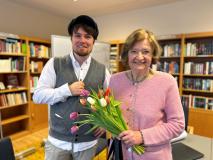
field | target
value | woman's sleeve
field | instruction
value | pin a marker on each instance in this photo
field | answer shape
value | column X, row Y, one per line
column 175, row 123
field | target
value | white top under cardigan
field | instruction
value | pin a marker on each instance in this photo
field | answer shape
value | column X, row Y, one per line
column 46, row 93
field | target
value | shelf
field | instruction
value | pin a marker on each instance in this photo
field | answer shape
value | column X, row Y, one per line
column 5, row 107
column 199, row 75
column 35, row 73
column 198, row 91
column 40, row 58
column 174, row 57
column 13, row 72
column 13, row 90
column 198, row 56
column 200, row 110
column 19, row 134
column 12, row 54
column 14, row 119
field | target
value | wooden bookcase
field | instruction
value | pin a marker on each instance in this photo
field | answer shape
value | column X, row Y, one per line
column 177, row 60
column 18, row 114
column 115, row 62
column 198, row 80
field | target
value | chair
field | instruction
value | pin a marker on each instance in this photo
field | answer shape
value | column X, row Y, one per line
column 6, row 149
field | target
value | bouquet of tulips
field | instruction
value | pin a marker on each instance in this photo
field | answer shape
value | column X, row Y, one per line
column 105, row 113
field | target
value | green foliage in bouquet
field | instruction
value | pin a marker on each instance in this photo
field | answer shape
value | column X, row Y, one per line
column 105, row 113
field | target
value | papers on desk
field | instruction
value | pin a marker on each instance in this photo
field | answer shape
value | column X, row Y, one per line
column 180, row 137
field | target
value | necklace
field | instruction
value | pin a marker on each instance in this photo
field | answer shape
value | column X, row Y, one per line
column 135, row 82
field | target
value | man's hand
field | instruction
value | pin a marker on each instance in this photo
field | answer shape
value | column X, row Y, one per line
column 99, row 132
column 76, row 88
column 130, row 137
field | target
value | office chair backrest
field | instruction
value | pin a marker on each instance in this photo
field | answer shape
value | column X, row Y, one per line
column 6, row 149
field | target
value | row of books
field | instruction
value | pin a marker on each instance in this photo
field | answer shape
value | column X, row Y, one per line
column 12, row 64
column 199, row 48
column 198, row 84
column 169, row 67
column 36, row 66
column 171, row 50
column 197, row 102
column 114, row 67
column 198, row 68
column 38, row 50
column 11, row 99
column 33, row 83
column 10, row 45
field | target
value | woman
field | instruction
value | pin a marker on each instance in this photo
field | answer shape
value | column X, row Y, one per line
column 150, row 100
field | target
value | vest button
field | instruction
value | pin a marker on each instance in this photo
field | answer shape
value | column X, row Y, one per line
column 76, row 139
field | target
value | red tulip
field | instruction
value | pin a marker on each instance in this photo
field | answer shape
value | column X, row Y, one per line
column 73, row 115
column 74, row 129
column 107, row 92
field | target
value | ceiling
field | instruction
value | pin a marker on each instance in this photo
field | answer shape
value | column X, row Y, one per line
column 71, row 8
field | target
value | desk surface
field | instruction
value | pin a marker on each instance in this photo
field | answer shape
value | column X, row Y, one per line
column 202, row 144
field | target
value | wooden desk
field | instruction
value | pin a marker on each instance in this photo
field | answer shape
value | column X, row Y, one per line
column 202, row 144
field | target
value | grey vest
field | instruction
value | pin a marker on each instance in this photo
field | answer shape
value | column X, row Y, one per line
column 60, row 128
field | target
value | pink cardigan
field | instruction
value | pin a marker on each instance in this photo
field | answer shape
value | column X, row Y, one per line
column 153, row 106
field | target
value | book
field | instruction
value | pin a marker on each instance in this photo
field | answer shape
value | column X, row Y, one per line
column 5, row 65
column 12, row 80
column 2, row 86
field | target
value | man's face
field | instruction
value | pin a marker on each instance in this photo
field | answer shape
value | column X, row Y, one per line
column 82, row 42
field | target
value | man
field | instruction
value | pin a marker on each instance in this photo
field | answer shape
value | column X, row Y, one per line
column 60, row 85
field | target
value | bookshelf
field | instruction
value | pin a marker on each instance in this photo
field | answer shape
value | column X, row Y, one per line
column 115, row 62
column 198, row 80
column 18, row 114
column 39, row 54
column 170, row 60
column 189, row 58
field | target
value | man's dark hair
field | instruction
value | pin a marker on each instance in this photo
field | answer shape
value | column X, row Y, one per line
column 86, row 22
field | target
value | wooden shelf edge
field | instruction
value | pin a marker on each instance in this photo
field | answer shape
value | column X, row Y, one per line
column 5, row 107
column 14, row 119
column 19, row 134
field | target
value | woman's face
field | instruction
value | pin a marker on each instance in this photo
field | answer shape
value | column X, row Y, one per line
column 140, row 56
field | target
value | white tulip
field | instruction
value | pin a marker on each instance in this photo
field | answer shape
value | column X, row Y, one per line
column 103, row 102
column 91, row 100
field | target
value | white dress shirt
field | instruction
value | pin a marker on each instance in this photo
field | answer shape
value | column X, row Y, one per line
column 46, row 93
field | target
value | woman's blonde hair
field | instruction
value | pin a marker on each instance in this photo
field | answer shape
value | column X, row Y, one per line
column 137, row 36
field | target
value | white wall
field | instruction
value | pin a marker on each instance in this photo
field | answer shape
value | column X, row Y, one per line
column 180, row 17
column 17, row 19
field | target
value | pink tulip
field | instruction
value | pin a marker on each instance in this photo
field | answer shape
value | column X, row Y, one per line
column 73, row 115
column 74, row 129
column 85, row 93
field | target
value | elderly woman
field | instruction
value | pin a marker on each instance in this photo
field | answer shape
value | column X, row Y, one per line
column 150, row 99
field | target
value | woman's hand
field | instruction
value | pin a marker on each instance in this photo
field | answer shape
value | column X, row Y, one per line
column 130, row 137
